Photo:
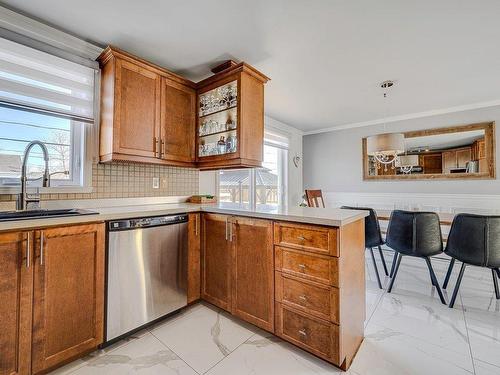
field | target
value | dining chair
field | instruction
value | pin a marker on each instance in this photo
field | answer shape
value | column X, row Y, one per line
column 416, row 234
column 314, row 197
column 474, row 240
column 373, row 238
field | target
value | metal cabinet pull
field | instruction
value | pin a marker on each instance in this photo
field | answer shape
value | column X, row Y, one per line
column 162, row 146
column 303, row 332
column 230, row 232
column 301, row 238
column 41, row 248
column 196, row 223
column 28, row 250
column 302, row 267
column 156, row 144
column 227, row 217
column 303, row 298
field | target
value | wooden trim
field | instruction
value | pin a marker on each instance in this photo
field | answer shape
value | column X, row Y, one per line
column 490, row 142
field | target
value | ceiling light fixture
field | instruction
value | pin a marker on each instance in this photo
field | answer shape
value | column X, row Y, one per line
column 386, row 147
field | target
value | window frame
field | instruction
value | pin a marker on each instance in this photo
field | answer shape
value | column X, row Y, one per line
column 282, row 178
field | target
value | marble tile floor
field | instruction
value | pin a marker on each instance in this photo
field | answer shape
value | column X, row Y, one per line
column 407, row 332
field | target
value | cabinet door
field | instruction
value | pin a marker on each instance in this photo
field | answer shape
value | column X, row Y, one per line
column 137, row 110
column 253, row 272
column 177, row 122
column 449, row 161
column 432, row 163
column 16, row 280
column 463, row 156
column 194, row 266
column 68, row 296
column 216, row 260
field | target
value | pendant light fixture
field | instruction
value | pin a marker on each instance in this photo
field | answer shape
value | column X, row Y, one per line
column 386, row 147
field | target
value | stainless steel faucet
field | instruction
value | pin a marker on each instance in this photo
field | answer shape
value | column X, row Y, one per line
column 32, row 201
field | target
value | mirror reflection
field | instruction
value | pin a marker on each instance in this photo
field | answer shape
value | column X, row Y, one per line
column 438, row 152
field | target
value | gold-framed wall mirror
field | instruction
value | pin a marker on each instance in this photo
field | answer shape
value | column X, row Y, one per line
column 457, row 152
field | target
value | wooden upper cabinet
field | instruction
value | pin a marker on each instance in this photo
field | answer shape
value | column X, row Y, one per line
column 137, row 119
column 216, row 260
column 253, row 271
column 231, row 107
column 16, row 281
column 68, row 296
column 178, row 107
column 146, row 112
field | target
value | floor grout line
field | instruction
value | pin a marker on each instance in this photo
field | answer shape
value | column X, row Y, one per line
column 231, row 352
column 468, row 337
column 169, row 348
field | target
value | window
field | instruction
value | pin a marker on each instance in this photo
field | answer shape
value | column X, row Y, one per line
column 46, row 98
column 262, row 188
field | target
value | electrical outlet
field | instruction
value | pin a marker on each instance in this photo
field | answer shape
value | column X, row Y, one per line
column 156, row 182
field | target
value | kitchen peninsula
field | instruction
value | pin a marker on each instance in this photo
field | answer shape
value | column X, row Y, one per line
column 306, row 285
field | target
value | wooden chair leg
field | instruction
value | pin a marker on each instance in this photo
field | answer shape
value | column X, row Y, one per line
column 396, row 268
column 383, row 260
column 457, row 286
column 376, row 269
column 393, row 264
column 448, row 273
column 495, row 283
column 434, row 280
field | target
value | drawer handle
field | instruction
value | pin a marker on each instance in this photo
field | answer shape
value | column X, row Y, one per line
column 302, row 267
column 303, row 333
column 303, row 298
column 301, row 238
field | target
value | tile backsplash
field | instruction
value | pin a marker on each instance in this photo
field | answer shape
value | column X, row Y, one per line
column 127, row 180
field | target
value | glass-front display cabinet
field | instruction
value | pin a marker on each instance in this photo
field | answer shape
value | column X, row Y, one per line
column 230, row 119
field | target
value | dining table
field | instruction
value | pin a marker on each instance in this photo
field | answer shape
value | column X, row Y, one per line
column 445, row 218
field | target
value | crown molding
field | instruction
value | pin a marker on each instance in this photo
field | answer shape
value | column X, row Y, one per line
column 410, row 116
column 41, row 32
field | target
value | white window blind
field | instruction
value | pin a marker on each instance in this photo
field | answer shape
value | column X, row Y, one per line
column 37, row 81
column 276, row 139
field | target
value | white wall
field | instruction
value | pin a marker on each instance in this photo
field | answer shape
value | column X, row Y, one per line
column 294, row 190
column 333, row 162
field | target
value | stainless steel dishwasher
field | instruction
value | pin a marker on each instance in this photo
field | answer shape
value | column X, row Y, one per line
column 147, row 271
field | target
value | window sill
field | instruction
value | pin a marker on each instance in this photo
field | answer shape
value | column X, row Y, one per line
column 49, row 190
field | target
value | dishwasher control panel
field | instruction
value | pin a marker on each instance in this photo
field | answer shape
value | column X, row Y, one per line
column 146, row 222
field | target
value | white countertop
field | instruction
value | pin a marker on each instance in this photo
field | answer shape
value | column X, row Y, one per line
column 321, row 216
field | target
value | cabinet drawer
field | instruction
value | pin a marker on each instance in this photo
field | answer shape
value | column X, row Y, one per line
column 312, row 298
column 322, row 269
column 314, row 238
column 312, row 334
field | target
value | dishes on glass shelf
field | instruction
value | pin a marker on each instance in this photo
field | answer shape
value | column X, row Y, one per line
column 231, row 144
column 218, row 99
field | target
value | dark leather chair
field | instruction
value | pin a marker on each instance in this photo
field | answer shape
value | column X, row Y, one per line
column 373, row 238
column 416, row 234
column 474, row 240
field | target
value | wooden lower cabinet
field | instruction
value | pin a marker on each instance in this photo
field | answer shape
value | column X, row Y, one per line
column 16, row 283
column 216, row 260
column 312, row 334
column 320, row 299
column 194, row 260
column 55, row 279
column 237, row 267
column 253, row 271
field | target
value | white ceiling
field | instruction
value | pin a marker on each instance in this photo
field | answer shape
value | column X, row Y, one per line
column 325, row 57
column 443, row 141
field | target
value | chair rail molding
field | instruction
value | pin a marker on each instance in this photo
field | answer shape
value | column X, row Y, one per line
column 452, row 203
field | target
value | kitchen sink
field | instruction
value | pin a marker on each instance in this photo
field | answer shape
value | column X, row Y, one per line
column 42, row 214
